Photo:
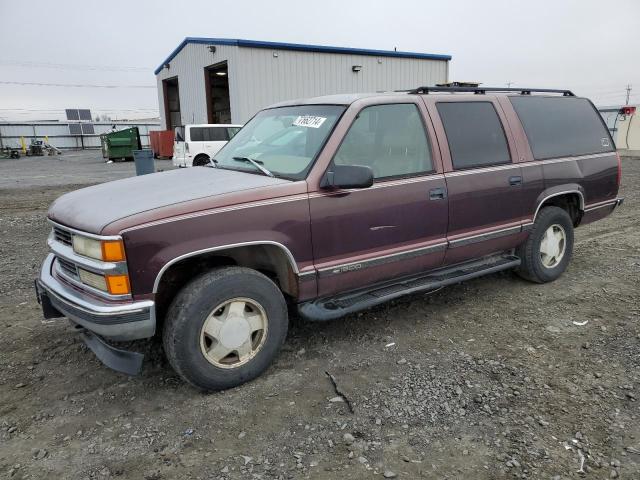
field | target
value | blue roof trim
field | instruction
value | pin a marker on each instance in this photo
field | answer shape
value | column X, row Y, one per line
column 299, row 47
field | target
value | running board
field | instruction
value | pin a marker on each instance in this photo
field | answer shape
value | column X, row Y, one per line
column 331, row 308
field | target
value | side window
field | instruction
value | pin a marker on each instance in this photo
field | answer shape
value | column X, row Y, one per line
column 196, row 134
column 474, row 134
column 391, row 139
column 561, row 126
column 217, row 134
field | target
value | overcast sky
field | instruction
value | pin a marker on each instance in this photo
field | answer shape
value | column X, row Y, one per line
column 589, row 46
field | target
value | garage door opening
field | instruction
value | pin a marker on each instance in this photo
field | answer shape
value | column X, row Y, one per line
column 172, row 103
column 216, row 78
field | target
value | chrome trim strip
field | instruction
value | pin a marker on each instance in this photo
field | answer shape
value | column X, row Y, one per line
column 381, row 260
column 86, row 304
column 461, row 242
column 308, row 273
column 564, row 192
column 533, row 163
column 471, row 171
column 385, row 184
column 609, row 203
column 287, row 252
column 213, row 211
column 97, row 266
column 85, row 234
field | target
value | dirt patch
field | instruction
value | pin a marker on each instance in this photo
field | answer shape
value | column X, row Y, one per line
column 494, row 378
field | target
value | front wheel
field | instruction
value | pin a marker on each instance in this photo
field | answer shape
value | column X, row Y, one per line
column 225, row 328
column 546, row 253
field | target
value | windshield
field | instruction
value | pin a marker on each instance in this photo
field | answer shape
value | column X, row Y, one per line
column 284, row 140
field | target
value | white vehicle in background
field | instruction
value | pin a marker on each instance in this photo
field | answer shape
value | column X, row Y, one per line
column 195, row 145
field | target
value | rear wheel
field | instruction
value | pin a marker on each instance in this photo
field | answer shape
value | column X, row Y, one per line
column 201, row 161
column 546, row 253
column 225, row 328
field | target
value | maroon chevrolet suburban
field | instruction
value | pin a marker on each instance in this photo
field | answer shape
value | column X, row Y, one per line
column 328, row 205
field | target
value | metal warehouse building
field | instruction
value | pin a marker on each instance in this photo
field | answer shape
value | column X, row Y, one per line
column 221, row 80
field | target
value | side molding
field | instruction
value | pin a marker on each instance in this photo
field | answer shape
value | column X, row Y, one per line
column 166, row 266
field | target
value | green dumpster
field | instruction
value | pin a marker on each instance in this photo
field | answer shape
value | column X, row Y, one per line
column 121, row 144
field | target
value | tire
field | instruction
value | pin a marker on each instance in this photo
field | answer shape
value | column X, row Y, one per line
column 186, row 344
column 536, row 265
column 201, row 161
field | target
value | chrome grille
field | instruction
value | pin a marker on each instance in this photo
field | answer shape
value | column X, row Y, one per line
column 67, row 267
column 61, row 235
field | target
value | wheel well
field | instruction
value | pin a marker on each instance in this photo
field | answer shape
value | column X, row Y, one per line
column 268, row 259
column 201, row 157
column 570, row 202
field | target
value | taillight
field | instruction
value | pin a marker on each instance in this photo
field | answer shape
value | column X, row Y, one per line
column 619, row 176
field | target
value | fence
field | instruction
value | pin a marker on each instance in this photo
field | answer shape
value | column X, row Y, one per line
column 60, row 136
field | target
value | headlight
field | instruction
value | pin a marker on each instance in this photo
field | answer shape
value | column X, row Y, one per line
column 105, row 250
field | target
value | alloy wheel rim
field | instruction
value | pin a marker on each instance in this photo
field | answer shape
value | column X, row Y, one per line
column 553, row 246
column 234, row 332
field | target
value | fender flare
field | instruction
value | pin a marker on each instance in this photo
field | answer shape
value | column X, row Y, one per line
column 290, row 258
column 556, row 191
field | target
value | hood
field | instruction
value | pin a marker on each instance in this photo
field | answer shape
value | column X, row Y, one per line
column 91, row 209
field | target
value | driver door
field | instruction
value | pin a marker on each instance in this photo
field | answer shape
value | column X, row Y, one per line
column 396, row 227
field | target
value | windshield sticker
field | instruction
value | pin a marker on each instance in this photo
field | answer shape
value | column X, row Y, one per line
column 309, row 121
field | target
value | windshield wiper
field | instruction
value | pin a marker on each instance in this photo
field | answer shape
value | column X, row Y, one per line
column 256, row 164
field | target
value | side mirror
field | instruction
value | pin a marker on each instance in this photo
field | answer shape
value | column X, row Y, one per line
column 347, row 176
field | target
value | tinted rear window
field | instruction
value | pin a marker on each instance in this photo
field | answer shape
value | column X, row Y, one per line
column 561, row 126
column 209, row 134
column 474, row 134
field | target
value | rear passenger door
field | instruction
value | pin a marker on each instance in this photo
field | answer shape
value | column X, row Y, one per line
column 484, row 185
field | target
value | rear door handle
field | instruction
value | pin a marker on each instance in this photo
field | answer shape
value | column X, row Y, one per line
column 437, row 194
column 515, row 181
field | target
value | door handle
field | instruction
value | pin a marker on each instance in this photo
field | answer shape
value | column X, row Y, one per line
column 437, row 194
column 515, row 181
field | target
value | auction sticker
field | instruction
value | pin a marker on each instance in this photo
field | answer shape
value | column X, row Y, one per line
column 309, row 121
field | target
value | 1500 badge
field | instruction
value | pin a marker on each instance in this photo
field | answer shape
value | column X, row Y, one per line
column 348, row 268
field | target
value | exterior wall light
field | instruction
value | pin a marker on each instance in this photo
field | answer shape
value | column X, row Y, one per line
column 356, row 68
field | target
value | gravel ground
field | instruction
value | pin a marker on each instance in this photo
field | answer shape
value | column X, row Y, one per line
column 493, row 378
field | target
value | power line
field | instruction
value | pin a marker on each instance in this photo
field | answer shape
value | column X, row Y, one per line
column 69, row 66
column 62, row 110
column 73, row 85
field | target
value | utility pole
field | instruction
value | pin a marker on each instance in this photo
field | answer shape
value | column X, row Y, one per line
column 509, row 84
column 628, row 94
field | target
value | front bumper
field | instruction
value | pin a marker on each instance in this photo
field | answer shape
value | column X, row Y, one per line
column 119, row 321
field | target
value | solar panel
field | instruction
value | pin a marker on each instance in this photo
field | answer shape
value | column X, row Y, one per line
column 85, row 115
column 87, row 128
column 75, row 129
column 72, row 114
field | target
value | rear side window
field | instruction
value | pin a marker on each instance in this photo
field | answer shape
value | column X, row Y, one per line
column 474, row 134
column 561, row 126
column 209, row 134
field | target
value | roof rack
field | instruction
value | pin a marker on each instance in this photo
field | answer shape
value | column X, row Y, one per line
column 483, row 90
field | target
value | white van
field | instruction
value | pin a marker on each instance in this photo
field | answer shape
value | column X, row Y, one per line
column 195, row 145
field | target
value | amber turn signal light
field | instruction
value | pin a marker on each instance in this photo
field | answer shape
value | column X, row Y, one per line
column 118, row 284
column 112, row 250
